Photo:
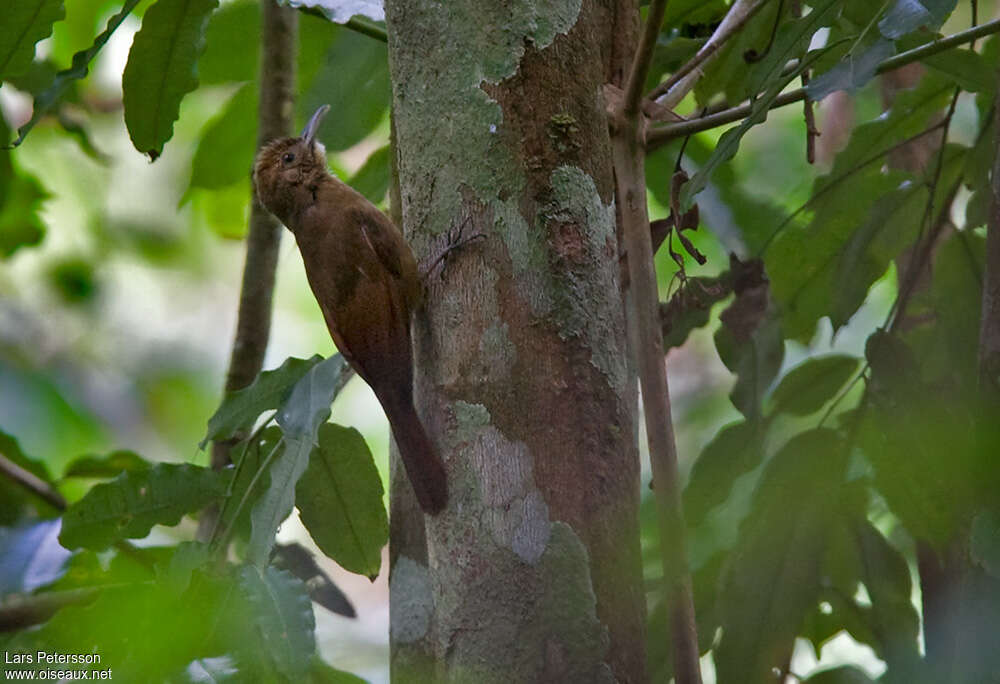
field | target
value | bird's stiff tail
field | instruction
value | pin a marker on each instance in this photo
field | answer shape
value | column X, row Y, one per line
column 422, row 463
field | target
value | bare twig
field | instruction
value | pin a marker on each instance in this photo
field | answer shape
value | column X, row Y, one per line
column 661, row 135
column 36, row 485
column 629, row 162
column 20, row 611
column 279, row 31
column 989, row 327
column 670, row 92
column 643, row 56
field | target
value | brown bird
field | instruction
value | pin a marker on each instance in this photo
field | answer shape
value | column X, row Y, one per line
column 365, row 278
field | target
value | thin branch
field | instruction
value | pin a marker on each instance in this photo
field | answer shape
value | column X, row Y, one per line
column 18, row 612
column 358, row 24
column 989, row 327
column 924, row 247
column 279, row 33
column 34, row 484
column 643, row 56
column 680, row 83
column 662, row 135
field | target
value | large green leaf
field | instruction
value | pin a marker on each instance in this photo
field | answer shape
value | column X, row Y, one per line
column 984, row 541
column 354, row 81
column 809, row 386
column 268, row 391
column 736, row 449
column 773, row 578
column 128, row 506
column 77, row 70
column 226, row 150
column 25, row 23
column 966, row 68
column 300, row 418
column 108, row 465
column 340, row 501
column 162, row 69
column 283, row 617
column 20, row 202
column 845, row 674
column 372, row 179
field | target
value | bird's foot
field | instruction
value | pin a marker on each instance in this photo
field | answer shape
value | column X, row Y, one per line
column 455, row 239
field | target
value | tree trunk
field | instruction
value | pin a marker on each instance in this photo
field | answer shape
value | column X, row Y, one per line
column 532, row 573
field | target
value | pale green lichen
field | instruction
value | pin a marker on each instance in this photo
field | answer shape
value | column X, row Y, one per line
column 411, row 599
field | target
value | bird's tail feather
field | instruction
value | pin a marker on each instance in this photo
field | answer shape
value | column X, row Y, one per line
column 423, row 465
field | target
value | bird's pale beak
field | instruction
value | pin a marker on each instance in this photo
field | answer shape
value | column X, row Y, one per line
column 312, row 128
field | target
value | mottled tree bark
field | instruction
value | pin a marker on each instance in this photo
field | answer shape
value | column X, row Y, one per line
column 532, row 573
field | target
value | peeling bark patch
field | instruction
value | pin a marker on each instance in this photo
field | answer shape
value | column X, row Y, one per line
column 410, row 601
column 532, row 535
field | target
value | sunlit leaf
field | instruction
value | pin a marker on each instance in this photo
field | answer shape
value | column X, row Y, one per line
column 78, row 70
column 908, row 15
column 25, row 23
column 283, row 617
column 340, row 11
column 162, row 69
column 809, row 386
column 340, row 501
column 109, row 465
column 128, row 506
column 268, row 391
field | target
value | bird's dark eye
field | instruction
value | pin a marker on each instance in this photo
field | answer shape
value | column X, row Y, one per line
column 288, row 157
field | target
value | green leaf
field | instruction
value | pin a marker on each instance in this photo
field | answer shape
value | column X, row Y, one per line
column 340, row 501
column 128, row 506
column 109, row 465
column 283, row 617
column 736, row 449
column 680, row 12
column 372, row 179
column 232, row 45
column 15, row 501
column 894, row 620
column 308, row 404
column 809, row 386
column 162, row 69
column 985, row 541
column 268, row 391
column 906, row 16
column 851, row 72
column 255, row 456
column 25, row 23
column 354, row 81
column 729, row 143
column 77, row 70
column 226, row 148
column 186, row 558
column 862, row 217
column 965, row 68
column 773, row 579
column 300, row 417
column 20, row 223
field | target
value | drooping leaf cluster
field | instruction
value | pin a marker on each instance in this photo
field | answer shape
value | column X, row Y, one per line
column 860, row 468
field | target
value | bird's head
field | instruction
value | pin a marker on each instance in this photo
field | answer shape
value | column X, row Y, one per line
column 287, row 170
